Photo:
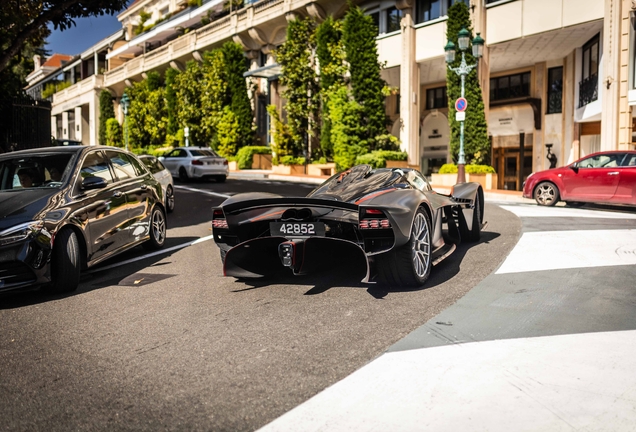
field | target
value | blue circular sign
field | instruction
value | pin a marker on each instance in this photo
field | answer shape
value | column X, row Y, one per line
column 461, row 104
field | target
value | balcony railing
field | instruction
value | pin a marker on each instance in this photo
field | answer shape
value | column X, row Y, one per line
column 588, row 90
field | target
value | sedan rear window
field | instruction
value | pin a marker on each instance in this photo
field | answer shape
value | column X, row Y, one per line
column 203, row 153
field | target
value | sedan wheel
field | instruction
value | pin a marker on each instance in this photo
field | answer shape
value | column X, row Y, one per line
column 169, row 199
column 157, row 230
column 66, row 262
column 183, row 175
column 546, row 194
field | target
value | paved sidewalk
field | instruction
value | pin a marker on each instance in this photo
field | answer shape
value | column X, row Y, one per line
column 490, row 195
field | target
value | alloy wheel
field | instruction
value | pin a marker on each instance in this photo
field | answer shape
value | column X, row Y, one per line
column 421, row 245
column 158, row 226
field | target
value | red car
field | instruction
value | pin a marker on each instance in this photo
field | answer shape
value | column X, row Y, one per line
column 605, row 177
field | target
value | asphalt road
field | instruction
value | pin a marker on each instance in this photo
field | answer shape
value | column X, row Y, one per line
column 168, row 343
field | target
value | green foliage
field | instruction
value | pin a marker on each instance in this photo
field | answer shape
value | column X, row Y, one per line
column 213, row 97
column 345, row 114
column 289, row 160
column 469, row 169
column 476, row 144
column 227, row 133
column 245, row 155
column 106, row 112
column 195, row 3
column 392, row 155
column 359, row 33
column 283, row 144
column 373, row 159
column 113, row 135
column 54, row 87
column 147, row 113
column 239, row 100
column 232, row 5
column 190, row 88
column 299, row 79
column 171, row 101
column 143, row 17
column 331, row 58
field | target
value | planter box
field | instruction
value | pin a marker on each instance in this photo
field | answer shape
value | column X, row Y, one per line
column 288, row 169
column 321, row 170
column 262, row 161
column 397, row 164
column 233, row 165
column 487, row 181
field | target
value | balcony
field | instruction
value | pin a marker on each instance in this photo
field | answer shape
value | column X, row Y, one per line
column 588, row 90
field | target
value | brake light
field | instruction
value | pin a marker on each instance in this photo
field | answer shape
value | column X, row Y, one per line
column 373, row 211
column 218, row 219
column 374, row 219
column 197, row 162
column 224, row 161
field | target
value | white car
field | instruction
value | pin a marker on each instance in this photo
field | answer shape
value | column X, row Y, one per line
column 163, row 176
column 196, row 162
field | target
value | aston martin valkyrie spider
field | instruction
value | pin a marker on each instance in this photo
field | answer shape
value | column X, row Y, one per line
column 389, row 223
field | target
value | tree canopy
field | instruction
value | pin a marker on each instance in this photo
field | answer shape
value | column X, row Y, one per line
column 26, row 21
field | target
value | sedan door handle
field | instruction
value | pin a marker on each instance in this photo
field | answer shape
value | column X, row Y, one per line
column 613, row 173
column 117, row 194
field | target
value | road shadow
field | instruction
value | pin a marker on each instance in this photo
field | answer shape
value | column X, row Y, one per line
column 102, row 275
column 347, row 276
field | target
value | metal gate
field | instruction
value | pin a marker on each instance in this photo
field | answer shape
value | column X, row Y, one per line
column 24, row 123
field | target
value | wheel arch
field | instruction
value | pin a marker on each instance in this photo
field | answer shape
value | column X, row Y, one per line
column 548, row 180
column 82, row 241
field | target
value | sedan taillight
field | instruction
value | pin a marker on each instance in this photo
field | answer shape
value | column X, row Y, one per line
column 224, row 161
column 197, row 162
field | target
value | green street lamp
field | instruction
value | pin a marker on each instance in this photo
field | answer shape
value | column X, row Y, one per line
column 125, row 104
column 463, row 41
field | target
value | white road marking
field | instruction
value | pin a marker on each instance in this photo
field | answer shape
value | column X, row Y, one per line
column 537, row 211
column 203, row 191
column 552, row 250
column 150, row 255
column 556, row 383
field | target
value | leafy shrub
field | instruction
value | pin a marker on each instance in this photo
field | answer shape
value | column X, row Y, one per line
column 113, row 133
column 322, row 160
column 470, row 169
column 392, row 155
column 288, row 160
column 245, row 155
column 373, row 159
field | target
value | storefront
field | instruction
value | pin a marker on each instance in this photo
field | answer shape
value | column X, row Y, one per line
column 434, row 142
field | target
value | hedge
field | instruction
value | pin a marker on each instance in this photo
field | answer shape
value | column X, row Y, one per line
column 373, row 159
column 391, row 155
column 469, row 169
column 288, row 160
column 246, row 154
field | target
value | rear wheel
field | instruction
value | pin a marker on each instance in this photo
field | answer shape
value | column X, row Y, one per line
column 66, row 262
column 410, row 265
column 157, row 230
column 546, row 194
column 475, row 230
column 183, row 175
column 220, row 179
column 169, row 199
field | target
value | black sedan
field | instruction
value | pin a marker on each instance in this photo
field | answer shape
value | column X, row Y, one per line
column 389, row 221
column 63, row 209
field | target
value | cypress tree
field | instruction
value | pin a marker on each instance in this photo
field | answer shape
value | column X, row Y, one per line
column 106, row 111
column 330, row 58
column 171, row 101
column 367, row 86
column 238, row 99
column 476, row 144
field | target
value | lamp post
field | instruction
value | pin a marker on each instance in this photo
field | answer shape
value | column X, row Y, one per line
column 463, row 41
column 186, row 134
column 125, row 104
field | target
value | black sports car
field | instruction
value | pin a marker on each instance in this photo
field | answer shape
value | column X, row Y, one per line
column 389, row 221
column 66, row 208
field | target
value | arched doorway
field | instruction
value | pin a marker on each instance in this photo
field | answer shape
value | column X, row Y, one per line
column 434, row 143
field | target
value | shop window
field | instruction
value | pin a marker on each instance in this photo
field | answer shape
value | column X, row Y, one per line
column 588, row 87
column 510, row 87
column 555, row 90
column 436, row 98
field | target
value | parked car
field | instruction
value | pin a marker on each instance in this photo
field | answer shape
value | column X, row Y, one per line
column 604, row 177
column 196, row 162
column 387, row 221
column 69, row 208
column 163, row 176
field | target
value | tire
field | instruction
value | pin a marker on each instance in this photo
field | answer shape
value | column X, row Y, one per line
column 183, row 175
column 157, row 230
column 411, row 264
column 475, row 231
column 169, row 199
column 66, row 262
column 220, row 179
column 223, row 254
column 546, row 194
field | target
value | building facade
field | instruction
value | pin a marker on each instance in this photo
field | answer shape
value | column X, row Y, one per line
column 556, row 74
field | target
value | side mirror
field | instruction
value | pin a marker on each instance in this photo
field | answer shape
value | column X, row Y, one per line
column 93, row 183
column 574, row 167
column 161, row 158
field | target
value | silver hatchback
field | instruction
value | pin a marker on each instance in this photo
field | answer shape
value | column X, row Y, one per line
column 196, row 162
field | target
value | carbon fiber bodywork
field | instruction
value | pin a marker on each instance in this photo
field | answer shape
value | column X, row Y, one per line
column 367, row 213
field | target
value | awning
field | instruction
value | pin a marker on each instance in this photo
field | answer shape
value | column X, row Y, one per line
column 270, row 72
column 510, row 120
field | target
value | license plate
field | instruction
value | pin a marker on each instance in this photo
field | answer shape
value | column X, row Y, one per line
column 297, row 229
